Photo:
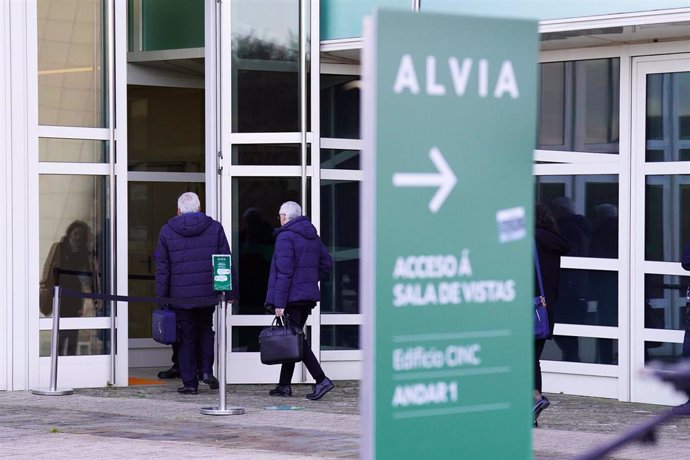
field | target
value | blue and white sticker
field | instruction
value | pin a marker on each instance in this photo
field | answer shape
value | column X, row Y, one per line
column 511, row 224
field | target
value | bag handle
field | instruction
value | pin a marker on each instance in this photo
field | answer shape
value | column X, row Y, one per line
column 283, row 321
column 538, row 266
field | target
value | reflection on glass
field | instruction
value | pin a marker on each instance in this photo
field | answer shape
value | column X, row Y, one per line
column 590, row 350
column 340, row 159
column 73, row 246
column 341, row 337
column 668, row 117
column 667, row 222
column 340, row 98
column 664, row 306
column 265, row 52
column 552, row 97
column 256, row 201
column 246, row 338
column 165, row 129
column 664, row 352
column 586, row 211
column 72, row 150
column 254, row 154
column 597, row 80
column 151, row 204
column 587, row 297
column 71, row 63
column 340, row 234
column 579, row 106
column 88, row 342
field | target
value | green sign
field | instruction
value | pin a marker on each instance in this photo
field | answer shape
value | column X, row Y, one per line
column 222, row 272
column 449, row 107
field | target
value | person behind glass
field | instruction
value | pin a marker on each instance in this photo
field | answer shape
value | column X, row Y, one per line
column 572, row 308
column 299, row 261
column 684, row 409
column 71, row 264
column 184, row 270
column 550, row 247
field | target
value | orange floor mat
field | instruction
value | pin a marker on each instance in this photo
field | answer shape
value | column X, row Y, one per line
column 140, row 381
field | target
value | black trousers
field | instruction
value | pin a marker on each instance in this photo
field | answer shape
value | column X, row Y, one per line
column 538, row 348
column 195, row 327
column 297, row 317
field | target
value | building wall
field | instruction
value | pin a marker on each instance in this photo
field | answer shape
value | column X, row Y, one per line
column 17, row 137
column 342, row 19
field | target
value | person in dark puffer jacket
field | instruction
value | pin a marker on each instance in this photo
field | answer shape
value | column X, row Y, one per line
column 184, row 270
column 300, row 261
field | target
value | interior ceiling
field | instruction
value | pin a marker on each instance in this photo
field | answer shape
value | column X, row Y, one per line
column 549, row 41
column 185, row 66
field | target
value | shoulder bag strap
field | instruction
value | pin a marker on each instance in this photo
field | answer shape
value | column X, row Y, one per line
column 536, row 262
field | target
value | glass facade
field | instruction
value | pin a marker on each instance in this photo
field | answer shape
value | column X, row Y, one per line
column 668, row 117
column 586, row 211
column 596, row 202
column 71, row 63
column 72, row 150
column 74, row 204
column 265, row 61
column 165, row 129
column 578, row 106
column 73, row 246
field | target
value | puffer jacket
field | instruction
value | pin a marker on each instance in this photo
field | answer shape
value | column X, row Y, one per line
column 551, row 246
column 184, row 267
column 300, row 261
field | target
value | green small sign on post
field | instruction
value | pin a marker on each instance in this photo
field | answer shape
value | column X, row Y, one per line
column 222, row 272
column 448, row 110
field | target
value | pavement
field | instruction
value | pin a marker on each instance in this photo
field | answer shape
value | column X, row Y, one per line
column 154, row 421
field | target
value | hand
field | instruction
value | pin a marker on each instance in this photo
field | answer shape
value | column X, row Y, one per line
column 279, row 312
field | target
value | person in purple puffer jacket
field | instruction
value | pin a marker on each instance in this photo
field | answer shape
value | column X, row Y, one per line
column 300, row 261
column 184, row 270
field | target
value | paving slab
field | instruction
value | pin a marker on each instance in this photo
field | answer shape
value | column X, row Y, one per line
column 154, row 421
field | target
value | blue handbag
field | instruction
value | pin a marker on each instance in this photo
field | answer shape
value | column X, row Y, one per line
column 541, row 317
column 164, row 326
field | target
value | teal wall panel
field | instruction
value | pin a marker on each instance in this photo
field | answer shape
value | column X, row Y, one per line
column 172, row 24
column 548, row 9
column 343, row 18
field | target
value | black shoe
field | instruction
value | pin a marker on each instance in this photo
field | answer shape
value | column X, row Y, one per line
column 281, row 390
column 541, row 404
column 172, row 373
column 210, row 380
column 187, row 391
column 321, row 389
column 683, row 409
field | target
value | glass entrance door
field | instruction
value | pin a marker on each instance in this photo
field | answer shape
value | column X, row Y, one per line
column 661, row 224
column 166, row 159
column 265, row 144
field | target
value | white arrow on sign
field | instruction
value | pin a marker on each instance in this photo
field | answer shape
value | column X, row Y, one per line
column 445, row 179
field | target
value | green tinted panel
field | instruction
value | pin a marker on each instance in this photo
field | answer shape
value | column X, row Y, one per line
column 343, row 18
column 172, row 24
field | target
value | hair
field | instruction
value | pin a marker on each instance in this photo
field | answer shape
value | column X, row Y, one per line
column 290, row 209
column 543, row 217
column 188, row 202
column 85, row 228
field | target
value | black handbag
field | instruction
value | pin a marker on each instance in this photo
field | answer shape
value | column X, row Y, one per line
column 280, row 343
